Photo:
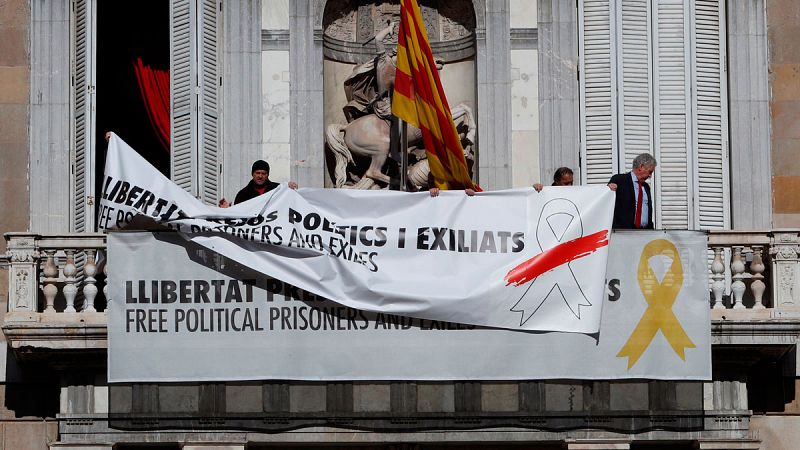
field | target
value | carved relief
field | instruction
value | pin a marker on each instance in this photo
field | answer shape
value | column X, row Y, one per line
column 20, row 256
column 344, row 28
column 341, row 22
column 786, row 252
column 430, row 17
column 786, row 282
column 366, row 27
column 456, row 21
column 22, row 293
column 357, row 21
column 383, row 14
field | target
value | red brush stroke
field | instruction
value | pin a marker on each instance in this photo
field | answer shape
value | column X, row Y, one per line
column 556, row 256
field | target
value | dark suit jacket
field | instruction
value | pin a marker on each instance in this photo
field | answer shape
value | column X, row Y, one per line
column 625, row 204
column 250, row 191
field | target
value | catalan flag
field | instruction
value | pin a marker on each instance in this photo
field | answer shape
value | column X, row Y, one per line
column 419, row 100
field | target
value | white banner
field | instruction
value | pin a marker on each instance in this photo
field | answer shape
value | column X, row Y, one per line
column 514, row 259
column 180, row 312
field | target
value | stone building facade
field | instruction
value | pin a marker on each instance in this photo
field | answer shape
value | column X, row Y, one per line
column 262, row 89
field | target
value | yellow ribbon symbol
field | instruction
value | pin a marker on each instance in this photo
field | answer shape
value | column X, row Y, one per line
column 660, row 297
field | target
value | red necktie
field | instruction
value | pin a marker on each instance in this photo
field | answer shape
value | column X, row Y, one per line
column 637, row 222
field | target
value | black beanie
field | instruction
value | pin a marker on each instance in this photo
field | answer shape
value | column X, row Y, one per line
column 260, row 165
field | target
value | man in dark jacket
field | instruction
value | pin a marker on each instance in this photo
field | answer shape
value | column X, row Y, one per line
column 260, row 184
column 633, row 208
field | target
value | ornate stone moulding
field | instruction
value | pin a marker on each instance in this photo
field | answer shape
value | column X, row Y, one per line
column 350, row 25
column 355, row 53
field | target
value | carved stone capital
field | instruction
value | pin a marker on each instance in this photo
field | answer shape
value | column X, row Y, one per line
column 21, row 247
column 785, row 252
column 785, row 246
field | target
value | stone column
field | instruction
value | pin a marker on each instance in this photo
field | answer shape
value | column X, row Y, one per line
column 494, row 95
column 307, row 145
column 559, row 122
column 751, row 176
column 241, row 92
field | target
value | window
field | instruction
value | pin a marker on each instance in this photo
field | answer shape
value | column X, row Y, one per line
column 194, row 71
column 653, row 80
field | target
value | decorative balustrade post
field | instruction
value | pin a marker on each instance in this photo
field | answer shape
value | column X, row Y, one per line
column 757, row 286
column 50, row 272
column 737, row 269
column 22, row 272
column 70, row 286
column 718, row 275
column 785, row 269
column 89, row 288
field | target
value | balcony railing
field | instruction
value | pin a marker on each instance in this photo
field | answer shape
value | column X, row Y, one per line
column 56, row 290
column 57, row 286
column 754, row 274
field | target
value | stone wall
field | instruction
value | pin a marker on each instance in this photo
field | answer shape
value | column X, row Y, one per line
column 783, row 27
column 22, row 426
column 14, row 112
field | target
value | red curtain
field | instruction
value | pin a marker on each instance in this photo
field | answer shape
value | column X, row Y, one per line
column 154, row 87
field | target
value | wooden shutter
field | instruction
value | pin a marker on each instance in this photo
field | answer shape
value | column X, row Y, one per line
column 194, row 75
column 672, row 89
column 208, row 102
column 183, row 102
column 635, row 85
column 83, row 137
column 709, row 105
column 597, row 86
column 653, row 80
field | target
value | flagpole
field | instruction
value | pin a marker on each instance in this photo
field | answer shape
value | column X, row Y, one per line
column 403, row 154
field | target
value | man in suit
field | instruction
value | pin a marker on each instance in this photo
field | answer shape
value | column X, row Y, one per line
column 633, row 208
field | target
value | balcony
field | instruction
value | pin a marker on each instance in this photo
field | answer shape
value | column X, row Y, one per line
column 57, row 307
column 56, row 294
column 57, row 291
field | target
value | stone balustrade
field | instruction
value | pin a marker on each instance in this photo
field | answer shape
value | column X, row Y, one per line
column 754, row 273
column 738, row 259
column 44, row 269
column 56, row 290
column 60, row 279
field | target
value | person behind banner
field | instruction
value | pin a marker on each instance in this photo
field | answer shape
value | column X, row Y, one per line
column 633, row 208
column 435, row 190
column 259, row 185
column 562, row 177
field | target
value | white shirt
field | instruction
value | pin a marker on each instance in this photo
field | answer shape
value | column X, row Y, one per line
column 645, row 201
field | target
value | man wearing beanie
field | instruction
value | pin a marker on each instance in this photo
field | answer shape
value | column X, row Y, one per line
column 260, row 184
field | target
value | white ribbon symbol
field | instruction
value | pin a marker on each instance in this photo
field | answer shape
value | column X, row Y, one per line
column 559, row 222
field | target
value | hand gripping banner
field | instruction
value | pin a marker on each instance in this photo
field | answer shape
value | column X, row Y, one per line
column 449, row 258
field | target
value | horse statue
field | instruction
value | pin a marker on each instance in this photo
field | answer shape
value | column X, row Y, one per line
column 368, row 131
